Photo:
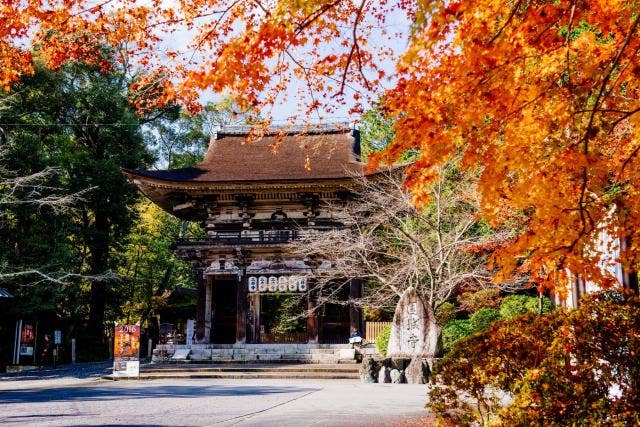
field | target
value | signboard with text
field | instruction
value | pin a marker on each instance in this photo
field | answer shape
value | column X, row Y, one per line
column 126, row 352
column 27, row 340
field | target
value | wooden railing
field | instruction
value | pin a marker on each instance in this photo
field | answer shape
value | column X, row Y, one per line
column 244, row 237
column 372, row 329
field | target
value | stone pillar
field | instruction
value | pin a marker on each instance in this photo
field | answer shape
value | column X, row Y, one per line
column 201, row 303
column 207, row 309
column 242, row 307
column 355, row 312
column 312, row 315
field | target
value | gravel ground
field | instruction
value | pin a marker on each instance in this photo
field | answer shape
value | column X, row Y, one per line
column 70, row 400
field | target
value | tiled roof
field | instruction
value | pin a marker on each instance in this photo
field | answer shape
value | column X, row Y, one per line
column 282, row 154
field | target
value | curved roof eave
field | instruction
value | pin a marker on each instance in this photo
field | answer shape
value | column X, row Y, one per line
column 164, row 182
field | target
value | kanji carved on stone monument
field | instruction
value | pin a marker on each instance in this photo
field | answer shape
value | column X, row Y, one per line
column 412, row 328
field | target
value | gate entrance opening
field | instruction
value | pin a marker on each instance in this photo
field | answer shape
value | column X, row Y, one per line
column 224, row 311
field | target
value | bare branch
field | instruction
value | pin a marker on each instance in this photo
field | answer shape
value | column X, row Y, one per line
column 394, row 246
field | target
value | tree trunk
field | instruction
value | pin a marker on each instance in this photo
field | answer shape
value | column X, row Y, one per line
column 99, row 248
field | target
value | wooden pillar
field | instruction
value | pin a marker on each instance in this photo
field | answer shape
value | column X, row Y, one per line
column 201, row 302
column 254, row 326
column 207, row 309
column 355, row 312
column 242, row 306
column 312, row 315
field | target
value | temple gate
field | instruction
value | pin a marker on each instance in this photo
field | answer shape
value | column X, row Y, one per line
column 253, row 199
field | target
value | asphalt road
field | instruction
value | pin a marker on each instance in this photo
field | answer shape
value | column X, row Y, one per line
column 73, row 401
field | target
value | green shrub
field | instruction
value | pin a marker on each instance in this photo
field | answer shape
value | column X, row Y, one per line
column 382, row 340
column 533, row 305
column 514, row 306
column 517, row 305
column 483, row 318
column 445, row 313
column 454, row 331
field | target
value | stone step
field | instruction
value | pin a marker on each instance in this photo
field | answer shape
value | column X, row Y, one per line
column 298, row 356
column 247, row 371
column 246, row 361
column 297, row 353
column 323, row 350
column 251, row 368
column 244, row 375
column 288, row 347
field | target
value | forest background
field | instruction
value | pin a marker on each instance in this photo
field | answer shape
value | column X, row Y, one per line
column 81, row 248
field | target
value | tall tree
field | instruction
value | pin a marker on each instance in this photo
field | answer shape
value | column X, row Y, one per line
column 79, row 119
column 106, row 136
column 36, row 205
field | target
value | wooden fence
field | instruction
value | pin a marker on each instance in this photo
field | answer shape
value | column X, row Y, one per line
column 372, row 329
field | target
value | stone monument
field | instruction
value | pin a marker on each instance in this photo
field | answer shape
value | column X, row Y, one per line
column 414, row 331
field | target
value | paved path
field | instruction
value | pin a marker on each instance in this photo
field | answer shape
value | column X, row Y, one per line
column 73, row 401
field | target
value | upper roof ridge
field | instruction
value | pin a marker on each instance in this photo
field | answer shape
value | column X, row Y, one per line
column 308, row 129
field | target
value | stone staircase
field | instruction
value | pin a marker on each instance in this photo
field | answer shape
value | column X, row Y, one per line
column 249, row 371
column 255, row 353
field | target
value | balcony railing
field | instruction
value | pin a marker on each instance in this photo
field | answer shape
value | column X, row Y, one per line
column 244, row 237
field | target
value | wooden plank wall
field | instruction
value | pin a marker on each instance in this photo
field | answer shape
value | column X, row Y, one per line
column 372, row 329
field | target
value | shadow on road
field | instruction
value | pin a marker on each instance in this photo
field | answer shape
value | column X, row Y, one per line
column 100, row 393
column 79, row 370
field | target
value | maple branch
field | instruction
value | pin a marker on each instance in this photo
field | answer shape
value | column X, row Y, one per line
column 307, row 81
column 514, row 10
column 629, row 158
column 353, row 48
column 607, row 77
column 361, row 68
column 215, row 26
column 193, row 18
column 487, row 75
column 312, row 17
column 89, row 9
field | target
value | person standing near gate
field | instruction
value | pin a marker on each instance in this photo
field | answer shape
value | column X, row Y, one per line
column 46, row 355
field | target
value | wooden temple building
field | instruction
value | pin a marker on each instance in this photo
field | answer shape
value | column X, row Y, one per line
column 252, row 200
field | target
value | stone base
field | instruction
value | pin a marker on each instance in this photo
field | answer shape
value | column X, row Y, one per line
column 418, row 372
column 397, row 370
column 291, row 353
